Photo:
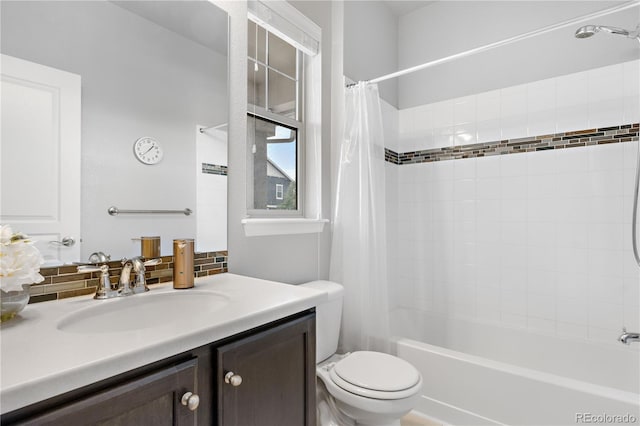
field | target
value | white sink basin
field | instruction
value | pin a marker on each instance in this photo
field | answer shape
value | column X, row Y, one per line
column 143, row 311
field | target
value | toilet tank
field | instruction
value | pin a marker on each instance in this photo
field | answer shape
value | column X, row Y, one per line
column 328, row 317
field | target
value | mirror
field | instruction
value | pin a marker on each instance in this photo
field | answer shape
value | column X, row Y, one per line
column 152, row 72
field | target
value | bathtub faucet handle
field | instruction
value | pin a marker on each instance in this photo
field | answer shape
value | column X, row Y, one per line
column 627, row 337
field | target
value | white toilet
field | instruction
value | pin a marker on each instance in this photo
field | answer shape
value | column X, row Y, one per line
column 362, row 388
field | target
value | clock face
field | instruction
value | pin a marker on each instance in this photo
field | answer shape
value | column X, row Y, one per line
column 148, row 150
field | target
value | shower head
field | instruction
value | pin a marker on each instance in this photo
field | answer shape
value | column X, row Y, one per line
column 589, row 30
column 586, row 31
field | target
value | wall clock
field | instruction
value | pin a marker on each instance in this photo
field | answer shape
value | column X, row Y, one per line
column 148, row 151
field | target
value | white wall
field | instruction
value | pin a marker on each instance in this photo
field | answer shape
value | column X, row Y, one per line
column 286, row 258
column 371, row 44
column 138, row 79
column 448, row 27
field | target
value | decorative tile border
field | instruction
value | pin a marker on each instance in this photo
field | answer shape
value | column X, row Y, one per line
column 65, row 281
column 391, row 156
column 605, row 135
column 214, row 169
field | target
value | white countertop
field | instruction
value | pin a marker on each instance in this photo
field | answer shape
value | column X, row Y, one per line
column 39, row 361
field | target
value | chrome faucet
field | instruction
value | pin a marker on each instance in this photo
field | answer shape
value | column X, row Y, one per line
column 106, row 290
column 627, row 337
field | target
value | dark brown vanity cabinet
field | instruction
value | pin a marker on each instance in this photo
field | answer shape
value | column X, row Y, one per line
column 268, row 378
column 175, row 392
column 272, row 383
column 152, row 399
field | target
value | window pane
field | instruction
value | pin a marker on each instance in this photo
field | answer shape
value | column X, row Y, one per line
column 257, row 45
column 282, row 56
column 256, row 89
column 282, row 95
column 274, row 151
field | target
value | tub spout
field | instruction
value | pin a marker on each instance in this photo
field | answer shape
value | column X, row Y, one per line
column 627, row 337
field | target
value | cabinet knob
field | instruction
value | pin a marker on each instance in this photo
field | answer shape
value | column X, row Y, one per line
column 191, row 400
column 233, row 378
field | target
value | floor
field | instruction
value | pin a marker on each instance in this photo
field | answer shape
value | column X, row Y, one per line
column 414, row 419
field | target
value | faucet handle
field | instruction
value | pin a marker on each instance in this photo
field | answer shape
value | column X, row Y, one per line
column 152, row 262
column 627, row 337
column 93, row 268
column 139, row 266
column 104, row 289
column 99, row 257
column 139, row 263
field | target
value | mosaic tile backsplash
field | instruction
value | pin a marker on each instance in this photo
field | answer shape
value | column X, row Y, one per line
column 65, row 281
column 214, row 169
column 586, row 137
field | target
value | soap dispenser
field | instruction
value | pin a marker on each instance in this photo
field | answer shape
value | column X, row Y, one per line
column 183, row 274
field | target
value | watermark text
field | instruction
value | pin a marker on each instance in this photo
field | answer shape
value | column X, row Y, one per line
column 590, row 418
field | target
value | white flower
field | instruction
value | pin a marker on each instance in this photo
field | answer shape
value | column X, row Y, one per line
column 19, row 260
column 5, row 234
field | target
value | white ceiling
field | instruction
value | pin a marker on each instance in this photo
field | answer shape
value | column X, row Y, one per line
column 199, row 21
column 402, row 7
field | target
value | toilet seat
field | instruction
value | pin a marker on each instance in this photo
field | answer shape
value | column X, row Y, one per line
column 376, row 375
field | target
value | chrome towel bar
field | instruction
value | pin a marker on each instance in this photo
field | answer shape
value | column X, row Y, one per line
column 114, row 211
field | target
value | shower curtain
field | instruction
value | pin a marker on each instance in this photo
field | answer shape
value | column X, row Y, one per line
column 358, row 252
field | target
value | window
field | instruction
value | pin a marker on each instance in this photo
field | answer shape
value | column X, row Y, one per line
column 273, row 73
column 274, row 123
column 284, row 121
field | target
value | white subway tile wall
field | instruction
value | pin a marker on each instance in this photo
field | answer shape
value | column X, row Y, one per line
column 538, row 240
column 542, row 248
column 601, row 97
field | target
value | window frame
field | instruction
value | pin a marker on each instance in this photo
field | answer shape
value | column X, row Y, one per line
column 288, row 23
column 280, row 190
column 298, row 124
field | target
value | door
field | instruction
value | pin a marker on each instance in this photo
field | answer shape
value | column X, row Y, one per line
column 154, row 399
column 40, row 156
column 271, row 377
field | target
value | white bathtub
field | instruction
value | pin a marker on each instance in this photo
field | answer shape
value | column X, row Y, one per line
column 482, row 374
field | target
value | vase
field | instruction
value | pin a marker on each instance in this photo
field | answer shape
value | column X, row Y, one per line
column 12, row 302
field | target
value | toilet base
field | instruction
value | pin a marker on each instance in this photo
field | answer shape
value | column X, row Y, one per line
column 328, row 413
column 337, row 407
column 366, row 418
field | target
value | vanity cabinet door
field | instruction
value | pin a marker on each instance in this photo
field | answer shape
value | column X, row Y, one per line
column 277, row 371
column 153, row 399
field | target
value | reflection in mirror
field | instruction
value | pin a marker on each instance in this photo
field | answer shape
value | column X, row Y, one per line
column 120, row 71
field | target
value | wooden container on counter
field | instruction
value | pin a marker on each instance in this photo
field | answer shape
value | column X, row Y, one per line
column 150, row 247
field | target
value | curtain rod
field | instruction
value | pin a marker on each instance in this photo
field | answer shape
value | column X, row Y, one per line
column 510, row 40
column 203, row 129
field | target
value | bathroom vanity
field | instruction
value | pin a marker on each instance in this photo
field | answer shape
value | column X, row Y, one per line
column 250, row 360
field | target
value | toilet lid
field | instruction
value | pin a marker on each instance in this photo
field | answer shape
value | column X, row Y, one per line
column 377, row 371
